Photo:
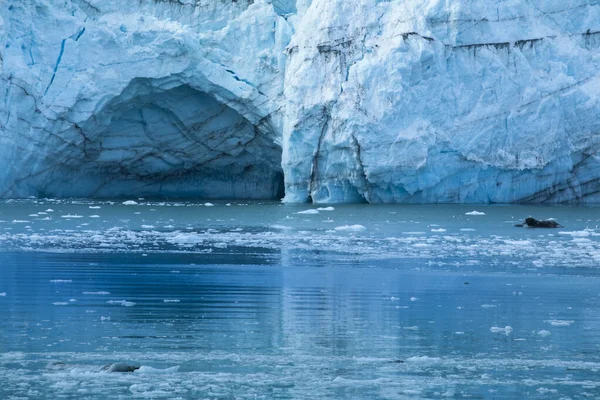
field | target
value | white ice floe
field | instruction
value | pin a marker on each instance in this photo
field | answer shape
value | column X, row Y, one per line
column 171, row 301
column 123, row 303
column 325, row 209
column 130, row 203
column 439, row 230
column 350, row 228
column 147, row 226
column 475, row 213
column 100, row 293
column 506, row 330
column 559, row 322
column 209, row 205
column 281, row 227
column 71, row 216
column 311, row 211
column 544, row 333
column 61, row 281
column 3, row 294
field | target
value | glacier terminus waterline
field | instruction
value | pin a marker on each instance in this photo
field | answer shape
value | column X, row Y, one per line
column 327, row 101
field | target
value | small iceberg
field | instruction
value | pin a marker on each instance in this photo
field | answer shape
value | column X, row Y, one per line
column 475, row 213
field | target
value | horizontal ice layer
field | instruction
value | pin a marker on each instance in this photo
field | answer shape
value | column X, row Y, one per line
column 350, row 101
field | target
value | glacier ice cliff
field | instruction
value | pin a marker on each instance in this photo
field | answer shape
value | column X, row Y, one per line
column 474, row 101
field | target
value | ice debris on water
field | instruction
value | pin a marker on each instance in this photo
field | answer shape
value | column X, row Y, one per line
column 130, row 203
column 559, row 322
column 123, row 303
column 506, row 330
column 311, row 211
column 475, row 213
column 350, row 228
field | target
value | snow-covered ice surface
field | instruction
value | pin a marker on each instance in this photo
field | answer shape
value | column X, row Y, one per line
column 253, row 300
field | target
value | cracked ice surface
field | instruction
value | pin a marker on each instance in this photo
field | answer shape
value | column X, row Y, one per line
column 350, row 101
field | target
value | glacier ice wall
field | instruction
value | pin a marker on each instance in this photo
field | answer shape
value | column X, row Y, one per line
column 363, row 100
column 150, row 98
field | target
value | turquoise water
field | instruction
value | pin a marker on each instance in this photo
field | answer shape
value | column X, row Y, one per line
column 254, row 300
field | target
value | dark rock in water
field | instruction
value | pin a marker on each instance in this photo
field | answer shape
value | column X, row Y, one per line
column 534, row 223
column 120, row 367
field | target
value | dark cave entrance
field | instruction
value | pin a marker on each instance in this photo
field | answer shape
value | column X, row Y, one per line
column 173, row 142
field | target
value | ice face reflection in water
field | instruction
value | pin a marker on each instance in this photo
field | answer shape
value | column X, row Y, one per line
column 220, row 303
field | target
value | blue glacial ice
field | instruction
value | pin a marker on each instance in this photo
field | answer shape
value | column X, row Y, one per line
column 329, row 101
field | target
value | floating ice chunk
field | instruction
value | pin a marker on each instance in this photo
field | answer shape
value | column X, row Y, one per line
column 506, row 330
column 104, row 318
column 101, row 293
column 467, row 230
column 488, row 306
column 438, row 230
column 325, row 209
column 147, row 226
column 123, row 303
column 20, row 221
column 414, row 298
column 130, row 203
column 150, row 370
column 71, row 216
column 209, row 205
column 281, row 227
column 558, row 322
column 33, row 215
column 49, row 210
column 72, row 300
column 583, row 233
column 95, row 207
column 171, row 301
column 422, row 359
column 394, row 298
column 350, row 228
column 544, row 390
column 312, row 211
column 61, row 281
column 61, row 303
column 3, row 294
column 94, row 216
column 475, row 213
column 544, row 333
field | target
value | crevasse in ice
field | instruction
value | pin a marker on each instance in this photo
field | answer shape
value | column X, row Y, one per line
column 331, row 100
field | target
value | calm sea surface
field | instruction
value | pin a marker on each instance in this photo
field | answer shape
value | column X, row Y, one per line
column 267, row 301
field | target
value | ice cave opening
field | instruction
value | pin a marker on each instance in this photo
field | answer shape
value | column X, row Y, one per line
column 172, row 141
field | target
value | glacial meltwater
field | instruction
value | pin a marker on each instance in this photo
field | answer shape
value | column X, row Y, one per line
column 251, row 300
